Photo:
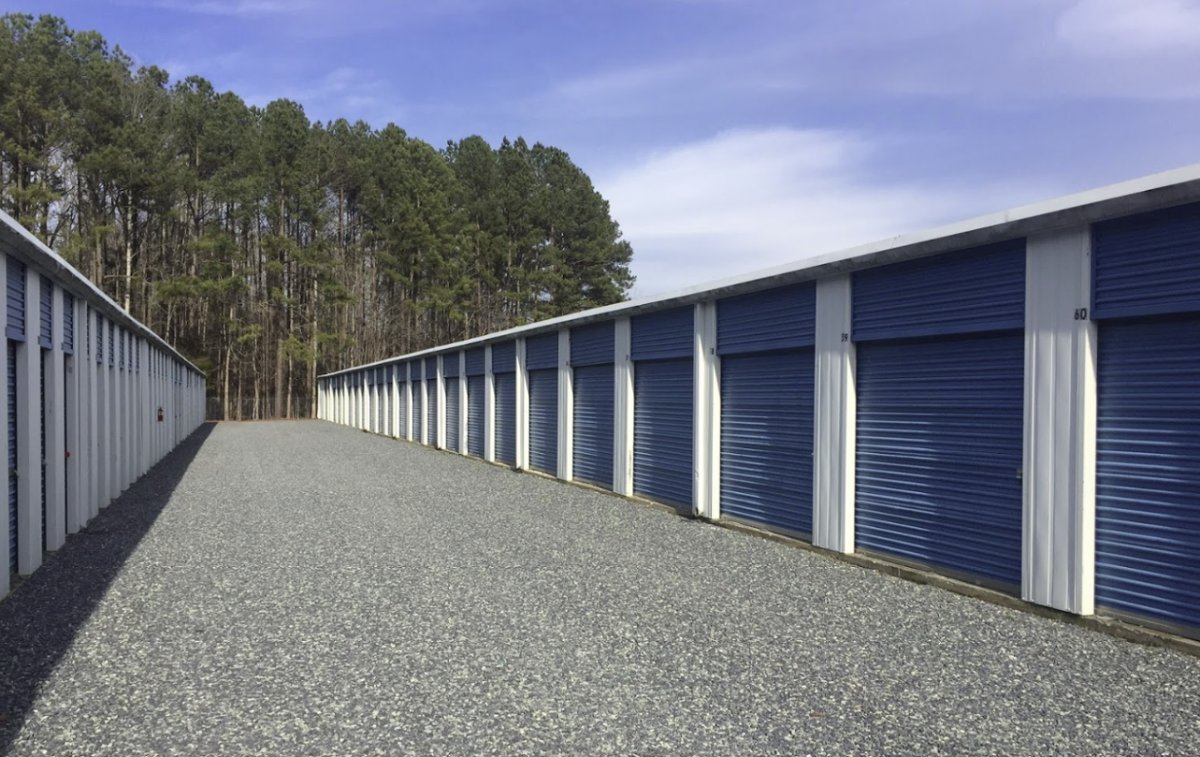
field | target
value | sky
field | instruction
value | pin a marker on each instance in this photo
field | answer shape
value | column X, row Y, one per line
column 728, row 135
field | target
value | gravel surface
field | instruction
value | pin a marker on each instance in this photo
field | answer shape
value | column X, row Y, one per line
column 305, row 589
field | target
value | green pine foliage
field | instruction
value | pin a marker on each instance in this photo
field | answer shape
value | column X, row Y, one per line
column 270, row 248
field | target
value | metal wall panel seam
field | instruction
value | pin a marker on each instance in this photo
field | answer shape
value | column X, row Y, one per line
column 1058, row 552
column 834, row 418
column 566, row 407
column 622, row 408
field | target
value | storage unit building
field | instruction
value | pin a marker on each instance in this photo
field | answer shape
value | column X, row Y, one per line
column 765, row 343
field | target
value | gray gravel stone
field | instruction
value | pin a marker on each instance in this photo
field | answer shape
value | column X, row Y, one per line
column 305, row 589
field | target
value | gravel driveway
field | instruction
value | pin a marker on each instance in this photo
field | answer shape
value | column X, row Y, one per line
column 300, row 588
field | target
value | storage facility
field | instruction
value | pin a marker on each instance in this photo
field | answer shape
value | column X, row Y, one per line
column 1013, row 401
column 94, row 399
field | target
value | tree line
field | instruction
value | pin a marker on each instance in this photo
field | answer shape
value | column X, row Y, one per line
column 270, row 248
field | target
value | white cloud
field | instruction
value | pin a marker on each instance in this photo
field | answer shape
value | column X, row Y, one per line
column 1131, row 27
column 750, row 199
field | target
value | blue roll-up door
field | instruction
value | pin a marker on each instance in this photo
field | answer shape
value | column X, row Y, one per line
column 592, row 379
column 12, row 456
column 541, row 363
column 1146, row 295
column 767, row 438
column 431, row 410
column 453, row 442
column 940, row 452
column 662, row 346
column 14, row 299
column 662, row 431
column 592, row 451
column 543, row 420
column 506, row 418
column 1148, row 469
column 765, row 342
column 476, row 406
column 940, row 371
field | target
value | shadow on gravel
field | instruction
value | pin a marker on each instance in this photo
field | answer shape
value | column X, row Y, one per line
column 39, row 619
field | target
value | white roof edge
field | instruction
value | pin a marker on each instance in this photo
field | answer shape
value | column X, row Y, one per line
column 1158, row 190
column 58, row 269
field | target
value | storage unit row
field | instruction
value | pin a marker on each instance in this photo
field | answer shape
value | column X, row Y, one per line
column 1021, row 412
column 93, row 400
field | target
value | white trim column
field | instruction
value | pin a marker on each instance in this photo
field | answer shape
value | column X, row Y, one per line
column 706, row 415
column 408, row 401
column 93, row 413
column 834, row 418
column 623, row 407
column 566, row 408
column 522, row 406
column 29, row 442
column 397, row 398
column 56, row 442
column 464, row 411
column 75, row 419
column 423, row 387
column 112, row 455
column 489, row 407
column 1059, row 471
column 439, row 386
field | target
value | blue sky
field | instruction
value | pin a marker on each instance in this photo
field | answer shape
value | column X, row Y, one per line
column 729, row 135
